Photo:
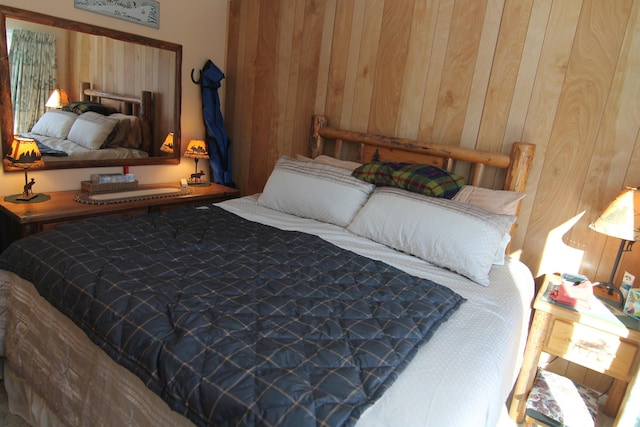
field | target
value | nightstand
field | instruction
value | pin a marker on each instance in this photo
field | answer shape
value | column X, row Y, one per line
column 602, row 339
column 19, row 220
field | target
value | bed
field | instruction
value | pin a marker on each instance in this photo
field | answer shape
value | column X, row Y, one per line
column 338, row 327
column 99, row 126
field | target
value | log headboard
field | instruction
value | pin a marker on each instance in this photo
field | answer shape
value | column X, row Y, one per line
column 138, row 106
column 517, row 165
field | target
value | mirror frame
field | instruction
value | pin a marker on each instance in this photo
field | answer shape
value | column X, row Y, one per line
column 6, row 116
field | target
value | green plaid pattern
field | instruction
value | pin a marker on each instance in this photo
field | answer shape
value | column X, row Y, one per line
column 424, row 179
column 232, row 322
column 80, row 107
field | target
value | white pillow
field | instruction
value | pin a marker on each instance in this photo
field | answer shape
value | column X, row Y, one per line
column 91, row 130
column 328, row 160
column 55, row 124
column 314, row 190
column 496, row 201
column 463, row 238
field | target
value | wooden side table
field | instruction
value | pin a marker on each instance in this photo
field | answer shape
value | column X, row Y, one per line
column 602, row 339
column 23, row 219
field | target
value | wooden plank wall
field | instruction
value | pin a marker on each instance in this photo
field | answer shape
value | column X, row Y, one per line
column 560, row 74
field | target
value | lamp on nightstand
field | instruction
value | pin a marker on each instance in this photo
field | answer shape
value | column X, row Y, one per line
column 621, row 219
column 26, row 155
column 197, row 149
column 57, row 99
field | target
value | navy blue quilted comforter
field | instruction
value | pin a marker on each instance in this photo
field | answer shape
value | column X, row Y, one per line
column 233, row 322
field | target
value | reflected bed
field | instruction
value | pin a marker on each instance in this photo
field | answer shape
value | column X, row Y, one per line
column 101, row 126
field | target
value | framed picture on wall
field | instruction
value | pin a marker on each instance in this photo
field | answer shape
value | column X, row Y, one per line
column 144, row 12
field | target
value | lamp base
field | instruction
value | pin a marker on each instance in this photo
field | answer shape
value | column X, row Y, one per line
column 41, row 197
column 26, row 197
column 612, row 291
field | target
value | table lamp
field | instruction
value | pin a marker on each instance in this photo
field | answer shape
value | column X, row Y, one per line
column 621, row 219
column 167, row 145
column 26, row 155
column 57, row 99
column 197, row 149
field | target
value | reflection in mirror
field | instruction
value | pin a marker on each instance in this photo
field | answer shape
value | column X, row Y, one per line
column 124, row 94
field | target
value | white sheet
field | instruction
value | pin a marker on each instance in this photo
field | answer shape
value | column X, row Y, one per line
column 464, row 374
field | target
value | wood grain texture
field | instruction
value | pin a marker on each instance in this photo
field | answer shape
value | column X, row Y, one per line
column 479, row 74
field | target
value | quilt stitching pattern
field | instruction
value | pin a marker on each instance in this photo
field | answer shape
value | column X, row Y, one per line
column 233, row 322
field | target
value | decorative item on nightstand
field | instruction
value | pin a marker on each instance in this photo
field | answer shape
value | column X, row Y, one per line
column 57, row 99
column 26, row 155
column 197, row 149
column 621, row 219
column 167, row 145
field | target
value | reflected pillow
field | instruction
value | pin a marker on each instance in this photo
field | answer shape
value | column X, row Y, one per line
column 127, row 133
column 423, row 179
column 314, row 190
column 91, row 130
column 55, row 124
column 81, row 107
column 460, row 237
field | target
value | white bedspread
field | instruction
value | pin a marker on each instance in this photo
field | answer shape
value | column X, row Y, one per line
column 461, row 377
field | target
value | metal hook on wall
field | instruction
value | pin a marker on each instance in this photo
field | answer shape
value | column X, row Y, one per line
column 199, row 76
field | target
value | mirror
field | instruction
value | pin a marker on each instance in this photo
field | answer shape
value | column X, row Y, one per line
column 132, row 67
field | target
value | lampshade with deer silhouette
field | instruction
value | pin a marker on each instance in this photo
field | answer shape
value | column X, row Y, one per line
column 197, row 149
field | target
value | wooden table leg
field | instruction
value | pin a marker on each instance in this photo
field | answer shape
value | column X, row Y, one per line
column 537, row 334
column 616, row 393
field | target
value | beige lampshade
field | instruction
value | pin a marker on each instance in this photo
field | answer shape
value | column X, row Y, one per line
column 167, row 145
column 621, row 218
column 25, row 153
column 197, row 149
column 57, row 99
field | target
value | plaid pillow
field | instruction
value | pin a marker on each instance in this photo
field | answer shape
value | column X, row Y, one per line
column 423, row 179
column 84, row 106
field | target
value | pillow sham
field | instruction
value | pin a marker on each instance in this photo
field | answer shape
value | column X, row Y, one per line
column 314, row 190
column 80, row 107
column 55, row 124
column 328, row 160
column 91, row 130
column 424, row 179
column 462, row 238
column 127, row 133
column 496, row 201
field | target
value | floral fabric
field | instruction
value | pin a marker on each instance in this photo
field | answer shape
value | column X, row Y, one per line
column 558, row 401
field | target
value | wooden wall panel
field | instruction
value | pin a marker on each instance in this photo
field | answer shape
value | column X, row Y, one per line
column 388, row 81
column 562, row 74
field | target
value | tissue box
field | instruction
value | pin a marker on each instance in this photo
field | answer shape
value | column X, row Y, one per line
column 632, row 305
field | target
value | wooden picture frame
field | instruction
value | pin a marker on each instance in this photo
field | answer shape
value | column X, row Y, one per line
column 144, row 12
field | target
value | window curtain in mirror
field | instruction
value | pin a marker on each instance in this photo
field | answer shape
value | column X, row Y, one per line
column 32, row 67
